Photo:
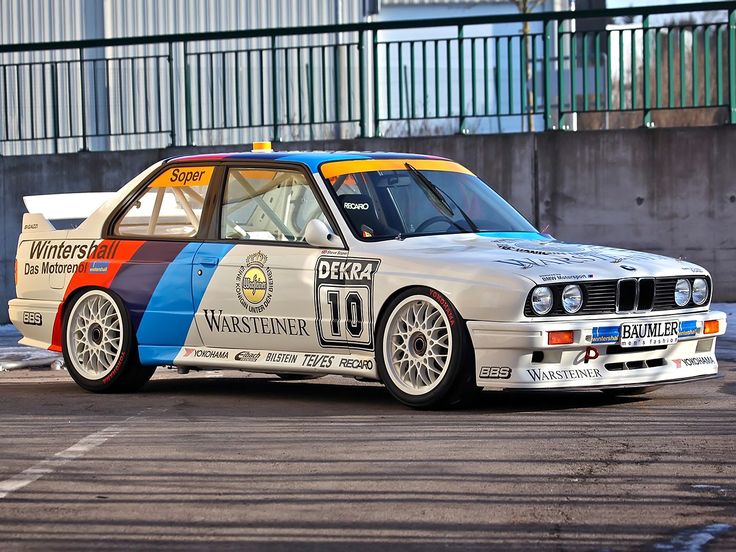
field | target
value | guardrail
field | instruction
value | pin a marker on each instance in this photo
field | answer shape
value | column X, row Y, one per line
column 468, row 75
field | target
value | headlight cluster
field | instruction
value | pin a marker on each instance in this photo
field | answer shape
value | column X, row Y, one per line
column 698, row 291
column 543, row 299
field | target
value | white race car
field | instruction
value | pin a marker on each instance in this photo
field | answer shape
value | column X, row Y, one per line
column 404, row 269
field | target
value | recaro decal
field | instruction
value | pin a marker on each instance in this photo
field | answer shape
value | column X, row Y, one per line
column 344, row 301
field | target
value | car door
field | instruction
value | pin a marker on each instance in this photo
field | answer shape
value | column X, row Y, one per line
column 163, row 222
column 259, row 275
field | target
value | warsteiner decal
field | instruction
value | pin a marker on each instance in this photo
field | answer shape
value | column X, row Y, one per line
column 540, row 374
column 254, row 283
column 344, row 301
column 217, row 322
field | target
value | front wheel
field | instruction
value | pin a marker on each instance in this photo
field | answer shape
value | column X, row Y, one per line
column 99, row 346
column 425, row 358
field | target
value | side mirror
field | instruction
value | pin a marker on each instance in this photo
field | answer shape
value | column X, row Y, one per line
column 318, row 234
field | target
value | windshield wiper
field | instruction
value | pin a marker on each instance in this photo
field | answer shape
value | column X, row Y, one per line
column 437, row 196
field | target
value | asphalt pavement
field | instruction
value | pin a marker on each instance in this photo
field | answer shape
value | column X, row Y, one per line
column 250, row 462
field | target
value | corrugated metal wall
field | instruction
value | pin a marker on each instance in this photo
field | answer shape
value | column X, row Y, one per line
column 117, row 79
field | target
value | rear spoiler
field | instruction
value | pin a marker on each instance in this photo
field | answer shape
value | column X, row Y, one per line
column 73, row 206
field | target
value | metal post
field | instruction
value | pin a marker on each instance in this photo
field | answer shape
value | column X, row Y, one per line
column 172, row 109
column 376, row 88
column 732, row 65
column 647, row 79
column 274, row 90
column 82, row 100
column 550, row 41
column 361, row 86
column 461, row 70
column 187, row 99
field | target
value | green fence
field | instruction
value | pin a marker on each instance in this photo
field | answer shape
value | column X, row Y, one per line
column 541, row 71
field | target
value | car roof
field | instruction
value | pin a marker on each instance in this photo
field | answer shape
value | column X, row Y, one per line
column 311, row 159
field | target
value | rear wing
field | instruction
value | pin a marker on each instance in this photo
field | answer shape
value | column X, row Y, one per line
column 73, row 206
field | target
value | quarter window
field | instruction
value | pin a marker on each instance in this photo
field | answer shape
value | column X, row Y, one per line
column 267, row 204
column 170, row 206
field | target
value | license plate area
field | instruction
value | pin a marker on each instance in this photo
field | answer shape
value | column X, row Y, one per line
column 645, row 334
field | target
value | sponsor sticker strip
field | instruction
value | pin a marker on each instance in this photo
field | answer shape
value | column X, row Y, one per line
column 605, row 335
column 232, row 358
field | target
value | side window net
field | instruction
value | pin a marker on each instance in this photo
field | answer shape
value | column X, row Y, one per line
column 171, row 205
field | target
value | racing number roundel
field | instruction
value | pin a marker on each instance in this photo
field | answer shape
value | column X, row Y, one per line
column 344, row 297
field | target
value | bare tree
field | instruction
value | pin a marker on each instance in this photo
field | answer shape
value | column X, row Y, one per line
column 528, row 6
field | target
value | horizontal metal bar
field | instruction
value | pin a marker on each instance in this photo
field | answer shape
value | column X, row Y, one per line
column 368, row 26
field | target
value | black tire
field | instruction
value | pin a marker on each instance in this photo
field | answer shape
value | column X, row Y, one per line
column 455, row 385
column 123, row 372
column 630, row 391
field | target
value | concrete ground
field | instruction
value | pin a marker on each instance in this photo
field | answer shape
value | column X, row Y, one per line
column 254, row 463
column 250, row 462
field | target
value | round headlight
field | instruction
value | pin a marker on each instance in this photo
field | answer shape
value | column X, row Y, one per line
column 542, row 300
column 700, row 291
column 682, row 292
column 572, row 298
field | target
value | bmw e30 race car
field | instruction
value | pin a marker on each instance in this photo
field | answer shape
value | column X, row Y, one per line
column 404, row 269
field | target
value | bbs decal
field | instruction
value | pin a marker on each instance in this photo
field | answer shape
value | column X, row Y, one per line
column 344, row 301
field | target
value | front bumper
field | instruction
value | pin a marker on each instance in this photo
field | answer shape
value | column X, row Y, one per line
column 518, row 356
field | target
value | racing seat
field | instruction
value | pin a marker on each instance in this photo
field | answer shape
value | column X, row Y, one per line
column 361, row 214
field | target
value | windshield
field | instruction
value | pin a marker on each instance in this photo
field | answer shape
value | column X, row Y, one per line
column 383, row 204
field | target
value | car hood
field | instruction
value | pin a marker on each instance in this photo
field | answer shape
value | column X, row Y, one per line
column 541, row 260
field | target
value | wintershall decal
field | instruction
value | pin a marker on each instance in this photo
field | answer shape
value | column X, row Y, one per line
column 538, row 374
column 52, row 255
column 254, row 325
column 63, row 251
column 254, row 283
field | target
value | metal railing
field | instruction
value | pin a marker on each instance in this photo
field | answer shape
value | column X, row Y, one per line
column 460, row 75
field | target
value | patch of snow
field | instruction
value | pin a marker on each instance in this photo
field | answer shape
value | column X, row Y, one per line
column 726, row 344
column 16, row 357
column 693, row 540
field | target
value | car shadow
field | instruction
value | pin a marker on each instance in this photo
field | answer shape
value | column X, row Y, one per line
column 329, row 397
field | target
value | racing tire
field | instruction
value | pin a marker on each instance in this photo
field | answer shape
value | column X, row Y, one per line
column 424, row 354
column 98, row 344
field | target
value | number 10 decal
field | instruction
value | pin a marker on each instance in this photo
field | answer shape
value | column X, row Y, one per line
column 344, row 301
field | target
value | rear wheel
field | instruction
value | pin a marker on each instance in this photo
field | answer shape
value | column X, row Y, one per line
column 99, row 346
column 425, row 358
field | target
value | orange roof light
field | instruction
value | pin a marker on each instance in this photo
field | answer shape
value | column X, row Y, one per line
column 262, row 146
column 561, row 337
column 711, row 327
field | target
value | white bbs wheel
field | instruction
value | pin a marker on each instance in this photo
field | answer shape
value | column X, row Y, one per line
column 99, row 346
column 425, row 359
column 417, row 345
column 94, row 335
